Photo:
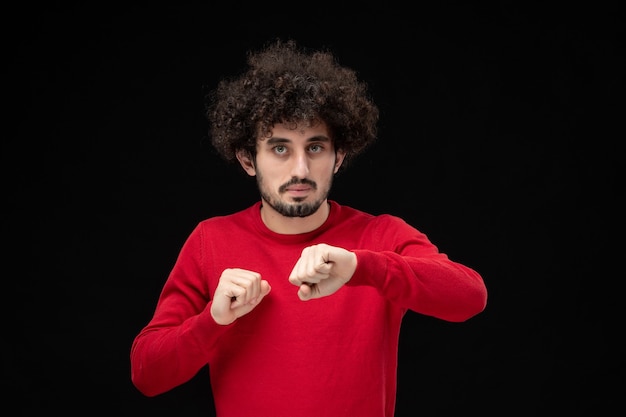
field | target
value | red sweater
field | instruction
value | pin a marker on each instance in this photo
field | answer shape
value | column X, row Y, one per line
column 334, row 356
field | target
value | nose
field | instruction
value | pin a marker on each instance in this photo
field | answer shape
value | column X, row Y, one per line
column 300, row 166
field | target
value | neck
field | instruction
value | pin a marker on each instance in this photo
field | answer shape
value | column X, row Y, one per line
column 278, row 223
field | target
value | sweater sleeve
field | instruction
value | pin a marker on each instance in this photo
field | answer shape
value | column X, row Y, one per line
column 406, row 268
column 177, row 341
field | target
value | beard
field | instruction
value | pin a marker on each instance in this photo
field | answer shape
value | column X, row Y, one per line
column 297, row 208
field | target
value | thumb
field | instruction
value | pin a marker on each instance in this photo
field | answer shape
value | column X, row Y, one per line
column 305, row 292
column 265, row 288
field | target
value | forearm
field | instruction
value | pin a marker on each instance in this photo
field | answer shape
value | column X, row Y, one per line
column 434, row 286
column 163, row 357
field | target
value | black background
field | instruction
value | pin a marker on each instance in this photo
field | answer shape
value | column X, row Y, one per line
column 500, row 138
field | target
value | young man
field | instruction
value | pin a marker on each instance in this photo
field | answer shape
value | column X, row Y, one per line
column 295, row 303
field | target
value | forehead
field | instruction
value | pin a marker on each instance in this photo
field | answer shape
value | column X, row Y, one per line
column 297, row 132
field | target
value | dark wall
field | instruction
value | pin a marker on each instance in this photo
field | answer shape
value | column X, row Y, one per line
column 500, row 125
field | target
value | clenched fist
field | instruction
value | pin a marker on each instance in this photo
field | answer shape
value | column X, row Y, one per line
column 238, row 292
column 321, row 270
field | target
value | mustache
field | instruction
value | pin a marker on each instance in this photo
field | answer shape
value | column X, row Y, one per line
column 296, row 181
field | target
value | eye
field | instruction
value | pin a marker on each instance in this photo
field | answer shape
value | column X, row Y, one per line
column 317, row 148
column 280, row 149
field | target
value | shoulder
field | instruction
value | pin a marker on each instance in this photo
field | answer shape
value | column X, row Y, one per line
column 353, row 215
column 227, row 222
column 349, row 211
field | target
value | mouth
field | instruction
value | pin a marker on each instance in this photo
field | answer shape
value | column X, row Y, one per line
column 298, row 191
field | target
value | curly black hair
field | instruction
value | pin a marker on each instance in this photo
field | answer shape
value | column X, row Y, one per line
column 288, row 84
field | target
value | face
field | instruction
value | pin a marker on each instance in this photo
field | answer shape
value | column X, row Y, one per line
column 294, row 168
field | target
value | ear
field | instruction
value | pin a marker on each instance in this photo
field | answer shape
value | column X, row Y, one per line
column 246, row 162
column 339, row 157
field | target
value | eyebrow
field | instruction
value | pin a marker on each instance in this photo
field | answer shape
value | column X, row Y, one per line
column 277, row 140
